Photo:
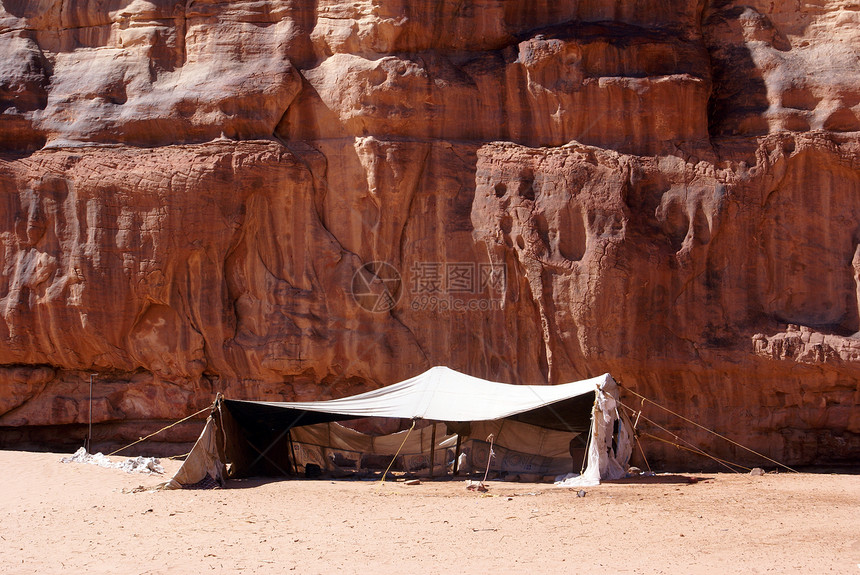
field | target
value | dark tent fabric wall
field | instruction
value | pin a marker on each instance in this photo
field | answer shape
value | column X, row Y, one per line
column 534, row 429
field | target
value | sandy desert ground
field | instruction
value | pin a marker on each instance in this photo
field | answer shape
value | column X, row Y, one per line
column 78, row 518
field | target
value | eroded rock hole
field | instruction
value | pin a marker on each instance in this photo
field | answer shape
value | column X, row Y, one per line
column 526, row 184
column 796, row 123
column 701, row 228
column 842, row 120
column 799, row 99
column 542, row 228
column 676, row 225
column 571, row 234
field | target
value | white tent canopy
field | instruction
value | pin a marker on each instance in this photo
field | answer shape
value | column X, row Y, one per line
column 441, row 395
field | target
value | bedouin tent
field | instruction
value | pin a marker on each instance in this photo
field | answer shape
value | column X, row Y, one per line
column 528, row 430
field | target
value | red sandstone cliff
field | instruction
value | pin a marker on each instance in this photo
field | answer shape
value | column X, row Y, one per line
column 188, row 190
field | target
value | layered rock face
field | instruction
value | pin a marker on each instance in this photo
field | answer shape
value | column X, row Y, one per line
column 274, row 199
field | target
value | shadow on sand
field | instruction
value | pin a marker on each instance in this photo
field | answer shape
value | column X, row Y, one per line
column 668, row 479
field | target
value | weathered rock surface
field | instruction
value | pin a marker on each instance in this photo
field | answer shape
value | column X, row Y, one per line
column 189, row 191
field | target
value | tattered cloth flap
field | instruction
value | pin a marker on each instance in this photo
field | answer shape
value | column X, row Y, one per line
column 202, row 466
column 610, row 445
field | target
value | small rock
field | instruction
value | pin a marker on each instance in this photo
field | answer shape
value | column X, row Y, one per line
column 634, row 471
column 580, row 493
column 757, row 471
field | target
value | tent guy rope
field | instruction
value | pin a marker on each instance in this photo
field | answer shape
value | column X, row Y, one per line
column 697, row 451
column 381, row 481
column 207, row 408
column 711, row 431
column 635, row 434
column 693, row 447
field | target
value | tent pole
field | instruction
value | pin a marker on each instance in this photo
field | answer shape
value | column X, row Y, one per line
column 457, row 456
column 432, row 449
